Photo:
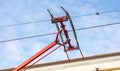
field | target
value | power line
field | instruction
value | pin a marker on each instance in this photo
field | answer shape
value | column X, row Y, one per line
column 97, row 13
column 25, row 23
column 97, row 26
column 85, row 28
column 27, row 37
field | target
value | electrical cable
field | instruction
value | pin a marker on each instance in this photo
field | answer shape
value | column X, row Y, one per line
column 97, row 13
column 85, row 28
column 97, row 26
column 27, row 37
column 24, row 23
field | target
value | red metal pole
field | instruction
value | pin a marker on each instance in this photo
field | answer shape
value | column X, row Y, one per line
column 44, row 56
column 35, row 56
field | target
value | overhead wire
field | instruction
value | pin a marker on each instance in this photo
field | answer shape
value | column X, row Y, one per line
column 97, row 13
column 28, row 37
column 24, row 23
column 31, row 22
column 84, row 28
column 97, row 26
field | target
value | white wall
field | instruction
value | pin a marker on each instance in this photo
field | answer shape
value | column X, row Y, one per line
column 104, row 64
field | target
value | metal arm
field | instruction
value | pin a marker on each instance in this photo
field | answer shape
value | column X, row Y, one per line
column 71, row 23
column 35, row 56
column 60, row 20
column 74, row 32
column 38, row 54
column 61, row 37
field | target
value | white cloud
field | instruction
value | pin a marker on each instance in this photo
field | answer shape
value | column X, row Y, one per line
column 12, row 52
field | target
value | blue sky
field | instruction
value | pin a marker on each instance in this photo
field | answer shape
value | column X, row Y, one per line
column 92, row 41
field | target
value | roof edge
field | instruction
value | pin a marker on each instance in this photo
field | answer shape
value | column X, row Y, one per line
column 73, row 60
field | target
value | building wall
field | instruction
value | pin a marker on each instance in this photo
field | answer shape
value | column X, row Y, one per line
column 104, row 62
